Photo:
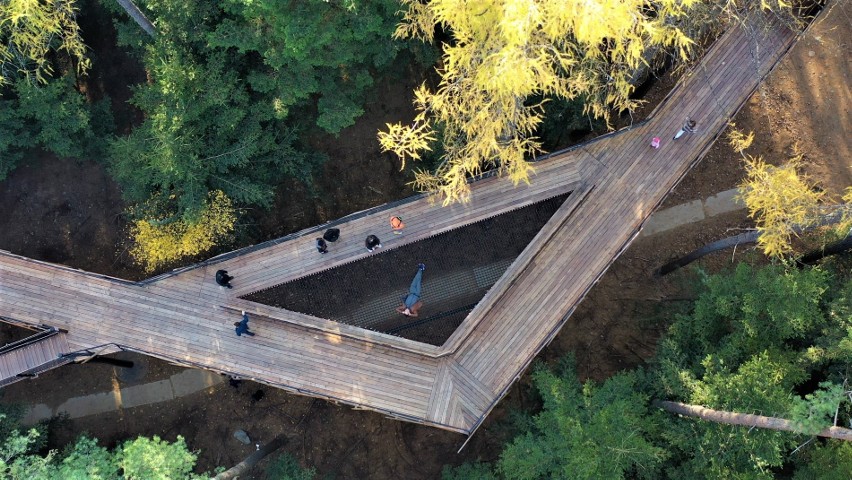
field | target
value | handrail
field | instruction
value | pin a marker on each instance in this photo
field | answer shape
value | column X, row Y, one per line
column 339, row 329
column 520, row 265
column 9, row 347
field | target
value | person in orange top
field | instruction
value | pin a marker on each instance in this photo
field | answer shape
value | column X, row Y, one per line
column 397, row 225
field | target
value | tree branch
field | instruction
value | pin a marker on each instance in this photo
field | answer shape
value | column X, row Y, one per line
column 239, row 469
column 138, row 17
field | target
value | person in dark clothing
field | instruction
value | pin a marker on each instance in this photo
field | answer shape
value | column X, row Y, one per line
column 331, row 235
column 322, row 247
column 242, row 327
column 372, row 242
column 223, row 279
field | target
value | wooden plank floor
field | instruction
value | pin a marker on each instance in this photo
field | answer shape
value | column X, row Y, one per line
column 185, row 318
column 32, row 356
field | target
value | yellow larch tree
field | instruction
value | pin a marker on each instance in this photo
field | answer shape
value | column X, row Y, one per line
column 506, row 51
column 503, row 53
column 782, row 199
column 156, row 243
column 30, row 29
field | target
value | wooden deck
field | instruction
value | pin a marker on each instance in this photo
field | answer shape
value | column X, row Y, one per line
column 617, row 181
column 31, row 356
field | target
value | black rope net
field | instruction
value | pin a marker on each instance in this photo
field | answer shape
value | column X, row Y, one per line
column 461, row 265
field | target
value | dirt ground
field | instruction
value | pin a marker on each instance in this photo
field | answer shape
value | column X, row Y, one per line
column 806, row 103
column 60, row 210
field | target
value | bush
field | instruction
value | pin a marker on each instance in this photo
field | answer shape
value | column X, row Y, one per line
column 158, row 244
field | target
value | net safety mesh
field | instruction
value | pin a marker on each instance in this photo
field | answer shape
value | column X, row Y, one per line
column 461, row 266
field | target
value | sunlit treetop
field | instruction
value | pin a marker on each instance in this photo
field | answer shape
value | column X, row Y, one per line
column 29, row 30
column 783, row 200
column 504, row 52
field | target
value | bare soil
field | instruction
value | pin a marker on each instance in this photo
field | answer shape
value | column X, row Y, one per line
column 805, row 105
column 70, row 213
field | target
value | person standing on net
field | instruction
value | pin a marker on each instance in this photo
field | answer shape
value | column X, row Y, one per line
column 688, row 127
column 242, row 327
column 411, row 303
column 372, row 242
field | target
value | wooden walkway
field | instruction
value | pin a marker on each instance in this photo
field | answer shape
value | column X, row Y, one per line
column 29, row 357
column 617, row 181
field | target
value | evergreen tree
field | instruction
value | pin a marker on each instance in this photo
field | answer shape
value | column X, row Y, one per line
column 748, row 346
column 585, row 431
column 332, row 50
column 755, row 341
column 53, row 116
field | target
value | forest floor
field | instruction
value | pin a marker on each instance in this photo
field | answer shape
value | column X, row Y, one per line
column 70, row 212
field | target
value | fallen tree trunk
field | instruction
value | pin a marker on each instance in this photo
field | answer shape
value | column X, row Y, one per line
column 138, row 17
column 747, row 420
column 812, row 257
column 747, row 237
column 751, row 237
column 252, row 460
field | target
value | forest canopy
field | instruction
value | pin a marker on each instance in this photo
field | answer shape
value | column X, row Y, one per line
column 234, row 89
column 506, row 58
column 767, row 340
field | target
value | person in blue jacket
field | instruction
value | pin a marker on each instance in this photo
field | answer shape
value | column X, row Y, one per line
column 242, row 327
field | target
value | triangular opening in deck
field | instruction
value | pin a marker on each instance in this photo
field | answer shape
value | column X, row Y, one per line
column 461, row 266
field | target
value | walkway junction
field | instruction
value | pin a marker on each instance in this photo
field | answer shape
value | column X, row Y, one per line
column 615, row 182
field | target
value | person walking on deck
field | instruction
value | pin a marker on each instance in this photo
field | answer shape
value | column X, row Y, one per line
column 688, row 127
column 372, row 242
column 411, row 303
column 242, row 327
column 322, row 247
column 223, row 279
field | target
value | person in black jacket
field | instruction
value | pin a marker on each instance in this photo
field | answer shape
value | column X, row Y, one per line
column 242, row 327
column 372, row 242
column 688, row 127
column 223, row 279
column 331, row 235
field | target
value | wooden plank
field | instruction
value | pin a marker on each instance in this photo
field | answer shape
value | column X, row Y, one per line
column 442, row 394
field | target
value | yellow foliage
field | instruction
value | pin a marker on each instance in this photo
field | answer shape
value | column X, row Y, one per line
column 506, row 51
column 780, row 200
column 156, row 244
column 406, row 141
column 783, row 201
column 29, row 29
column 738, row 140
